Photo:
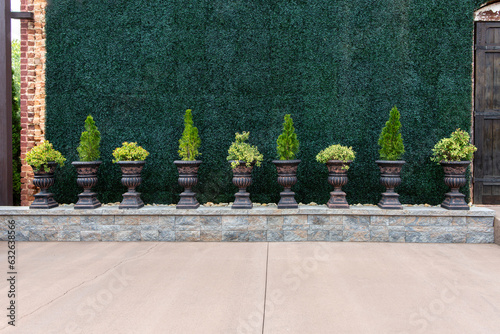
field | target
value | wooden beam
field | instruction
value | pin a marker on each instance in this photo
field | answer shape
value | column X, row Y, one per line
column 5, row 105
column 22, row 15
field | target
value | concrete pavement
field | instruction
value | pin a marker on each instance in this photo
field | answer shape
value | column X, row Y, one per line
column 269, row 288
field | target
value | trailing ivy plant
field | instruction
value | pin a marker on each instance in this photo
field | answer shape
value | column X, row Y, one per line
column 43, row 153
column 129, row 152
column 190, row 141
column 455, row 148
column 336, row 152
column 288, row 144
column 89, row 141
column 390, row 140
column 242, row 151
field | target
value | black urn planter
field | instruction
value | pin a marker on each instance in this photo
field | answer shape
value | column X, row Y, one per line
column 44, row 180
column 287, row 177
column 131, row 178
column 188, row 178
column 87, row 179
column 454, row 177
column 337, row 177
column 390, row 178
column 242, row 178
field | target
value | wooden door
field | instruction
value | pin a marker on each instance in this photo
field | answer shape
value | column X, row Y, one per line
column 487, row 113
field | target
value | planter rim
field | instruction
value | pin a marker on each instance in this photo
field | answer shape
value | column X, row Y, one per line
column 463, row 162
column 295, row 161
column 395, row 162
column 332, row 162
column 241, row 162
column 131, row 162
column 95, row 162
column 187, row 162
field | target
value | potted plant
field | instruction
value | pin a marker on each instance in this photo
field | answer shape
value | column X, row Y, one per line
column 88, row 165
column 131, row 158
column 337, row 158
column 287, row 147
column 243, row 157
column 391, row 151
column 454, row 154
column 44, row 159
column 188, row 166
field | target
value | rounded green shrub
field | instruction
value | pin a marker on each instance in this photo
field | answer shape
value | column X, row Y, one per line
column 457, row 147
column 242, row 151
column 43, row 153
column 129, row 152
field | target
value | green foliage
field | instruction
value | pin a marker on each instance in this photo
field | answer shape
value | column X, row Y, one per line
column 190, row 141
column 16, row 145
column 44, row 152
column 288, row 144
column 336, row 152
column 242, row 151
column 390, row 140
column 89, row 141
column 455, row 148
column 247, row 63
column 16, row 65
column 129, row 152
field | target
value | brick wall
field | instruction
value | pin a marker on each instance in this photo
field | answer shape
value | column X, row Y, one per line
column 32, row 89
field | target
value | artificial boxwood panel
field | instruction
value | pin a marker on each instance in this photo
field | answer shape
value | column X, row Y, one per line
column 338, row 66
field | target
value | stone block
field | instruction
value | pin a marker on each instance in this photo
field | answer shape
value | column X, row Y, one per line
column 234, row 235
column 318, row 235
column 166, row 235
column 94, row 221
column 480, row 221
column 336, row 220
column 295, row 235
column 256, row 235
column 478, row 228
column 387, row 220
column 275, row 222
column 295, row 221
column 235, row 223
column 318, row 222
column 211, row 236
column 187, row 223
column 356, row 235
column 149, row 235
column 379, row 233
column 22, row 235
column 397, row 235
column 336, row 233
column 418, row 237
column 68, row 236
column 166, row 223
column 257, row 223
column 459, row 221
column 210, row 223
column 275, row 235
column 108, row 236
column 90, row 236
column 418, row 221
column 187, row 235
column 480, row 238
column 127, row 236
column 357, row 223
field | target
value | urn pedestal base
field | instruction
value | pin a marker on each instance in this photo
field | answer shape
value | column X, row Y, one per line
column 337, row 200
column 242, row 200
column 454, row 201
column 131, row 200
column 44, row 200
column 390, row 201
column 287, row 200
column 188, row 200
column 87, row 200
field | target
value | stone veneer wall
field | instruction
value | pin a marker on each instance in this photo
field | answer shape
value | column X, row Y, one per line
column 308, row 223
column 32, row 89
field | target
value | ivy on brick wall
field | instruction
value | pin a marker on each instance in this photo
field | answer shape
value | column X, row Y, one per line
column 337, row 66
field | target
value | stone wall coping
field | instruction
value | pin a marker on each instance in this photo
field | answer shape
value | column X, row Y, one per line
column 166, row 210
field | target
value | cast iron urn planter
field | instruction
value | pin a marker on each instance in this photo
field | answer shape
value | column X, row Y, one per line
column 242, row 178
column 188, row 178
column 337, row 177
column 44, row 180
column 287, row 177
column 454, row 177
column 87, row 179
column 390, row 178
column 131, row 178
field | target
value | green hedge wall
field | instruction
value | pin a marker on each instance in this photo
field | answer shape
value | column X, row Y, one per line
column 338, row 66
